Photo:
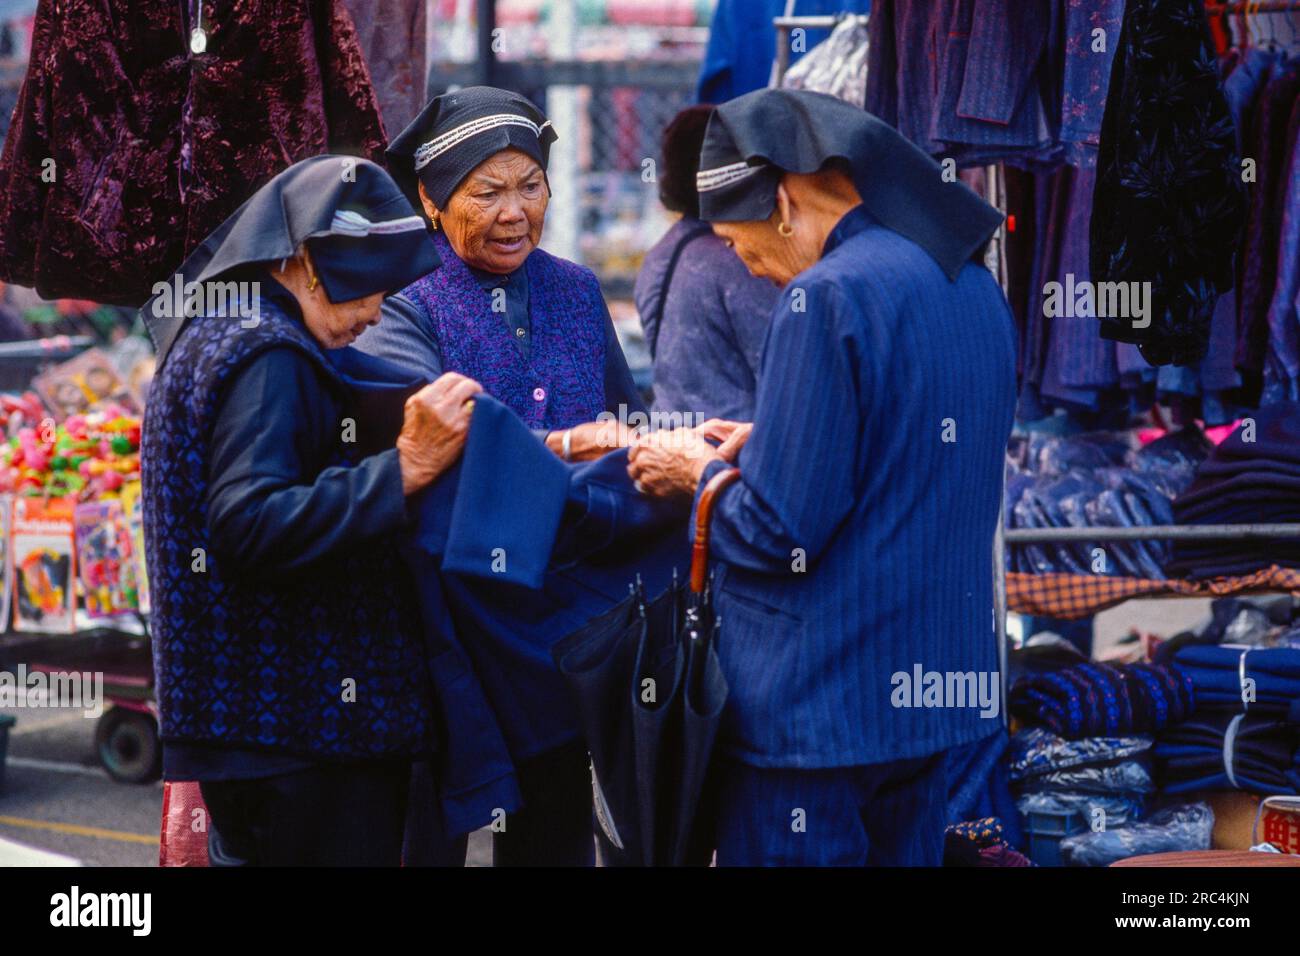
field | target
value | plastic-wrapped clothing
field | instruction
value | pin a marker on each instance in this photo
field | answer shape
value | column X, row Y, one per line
column 1184, row 827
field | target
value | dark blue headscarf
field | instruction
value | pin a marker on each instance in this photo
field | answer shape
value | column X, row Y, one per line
column 753, row 140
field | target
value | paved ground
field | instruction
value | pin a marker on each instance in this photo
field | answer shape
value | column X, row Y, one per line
column 57, row 798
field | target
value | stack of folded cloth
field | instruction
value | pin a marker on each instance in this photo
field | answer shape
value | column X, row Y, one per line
column 1106, row 778
column 1245, row 731
column 1103, row 700
column 1253, row 477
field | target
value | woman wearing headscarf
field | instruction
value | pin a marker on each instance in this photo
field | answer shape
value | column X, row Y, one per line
column 535, row 331
column 705, row 317
column 855, row 549
column 533, row 328
column 289, row 668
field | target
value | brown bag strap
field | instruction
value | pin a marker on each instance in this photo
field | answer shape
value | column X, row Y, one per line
column 703, row 515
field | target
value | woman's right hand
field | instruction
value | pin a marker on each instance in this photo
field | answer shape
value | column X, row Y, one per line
column 435, row 428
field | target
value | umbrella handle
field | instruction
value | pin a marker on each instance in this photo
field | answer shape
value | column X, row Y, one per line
column 703, row 515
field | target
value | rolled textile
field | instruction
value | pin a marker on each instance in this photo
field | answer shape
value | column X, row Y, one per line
column 1103, row 700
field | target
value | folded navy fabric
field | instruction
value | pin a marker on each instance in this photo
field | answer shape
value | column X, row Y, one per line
column 1225, row 751
column 1103, row 700
column 1217, row 673
column 1252, row 477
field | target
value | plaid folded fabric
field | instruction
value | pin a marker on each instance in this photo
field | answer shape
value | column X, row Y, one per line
column 1070, row 596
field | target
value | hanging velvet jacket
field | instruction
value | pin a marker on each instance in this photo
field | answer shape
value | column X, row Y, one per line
column 1169, row 201
column 127, row 148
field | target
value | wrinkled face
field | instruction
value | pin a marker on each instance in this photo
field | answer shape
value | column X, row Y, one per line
column 337, row 324
column 494, row 218
column 763, row 250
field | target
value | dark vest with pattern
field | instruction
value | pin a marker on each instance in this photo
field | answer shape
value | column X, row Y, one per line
column 255, row 664
column 562, row 383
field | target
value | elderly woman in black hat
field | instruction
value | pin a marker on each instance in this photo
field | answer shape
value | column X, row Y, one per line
column 534, row 330
column 290, row 675
column 531, row 327
column 856, row 546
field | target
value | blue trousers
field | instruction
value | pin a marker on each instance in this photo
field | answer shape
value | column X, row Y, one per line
column 887, row 814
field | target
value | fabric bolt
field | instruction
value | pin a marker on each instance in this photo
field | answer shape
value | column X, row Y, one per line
column 708, row 339
column 1261, row 757
column 877, row 815
column 827, row 639
column 1103, row 700
column 1169, row 200
column 1216, row 673
column 1036, row 751
column 1250, row 477
column 140, row 130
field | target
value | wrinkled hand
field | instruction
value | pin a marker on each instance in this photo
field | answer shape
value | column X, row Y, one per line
column 434, row 430
column 730, row 448
column 668, row 463
column 718, row 429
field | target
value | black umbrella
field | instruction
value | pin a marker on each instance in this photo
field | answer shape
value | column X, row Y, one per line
column 650, row 695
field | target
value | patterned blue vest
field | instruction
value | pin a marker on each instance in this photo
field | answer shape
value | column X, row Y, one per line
column 262, row 665
column 562, row 383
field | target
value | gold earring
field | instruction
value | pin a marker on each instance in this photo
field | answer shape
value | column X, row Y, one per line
column 785, row 229
column 434, row 220
column 312, row 283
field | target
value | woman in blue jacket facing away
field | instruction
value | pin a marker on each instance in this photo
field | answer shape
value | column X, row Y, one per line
column 857, row 544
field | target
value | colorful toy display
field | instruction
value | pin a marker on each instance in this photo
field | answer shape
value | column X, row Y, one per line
column 88, row 457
